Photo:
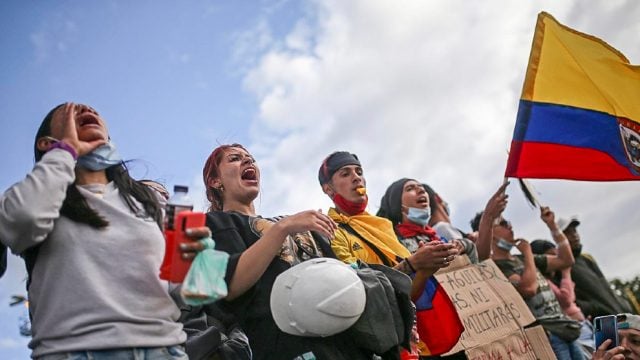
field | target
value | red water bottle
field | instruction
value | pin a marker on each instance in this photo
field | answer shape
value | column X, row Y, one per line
column 173, row 265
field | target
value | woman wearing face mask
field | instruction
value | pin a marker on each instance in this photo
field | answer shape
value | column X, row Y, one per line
column 406, row 204
column 260, row 249
column 91, row 238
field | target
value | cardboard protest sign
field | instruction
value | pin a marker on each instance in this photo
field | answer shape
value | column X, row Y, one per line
column 493, row 313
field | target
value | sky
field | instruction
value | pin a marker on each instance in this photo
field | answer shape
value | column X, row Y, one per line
column 416, row 88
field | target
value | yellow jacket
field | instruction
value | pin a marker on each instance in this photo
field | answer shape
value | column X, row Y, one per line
column 377, row 230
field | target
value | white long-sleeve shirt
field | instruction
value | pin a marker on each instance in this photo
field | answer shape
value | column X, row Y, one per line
column 90, row 288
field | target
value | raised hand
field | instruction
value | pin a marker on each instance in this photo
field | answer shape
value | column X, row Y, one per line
column 497, row 203
column 548, row 216
column 523, row 246
column 66, row 117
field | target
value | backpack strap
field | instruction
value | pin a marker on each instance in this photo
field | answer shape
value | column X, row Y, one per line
column 379, row 253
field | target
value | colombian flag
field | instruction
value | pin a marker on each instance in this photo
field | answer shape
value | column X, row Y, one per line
column 439, row 325
column 579, row 113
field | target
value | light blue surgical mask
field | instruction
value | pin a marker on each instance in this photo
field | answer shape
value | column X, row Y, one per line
column 419, row 216
column 101, row 158
column 504, row 244
column 446, row 209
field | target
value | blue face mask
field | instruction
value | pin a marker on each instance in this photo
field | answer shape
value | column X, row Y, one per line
column 419, row 216
column 446, row 209
column 101, row 158
column 504, row 244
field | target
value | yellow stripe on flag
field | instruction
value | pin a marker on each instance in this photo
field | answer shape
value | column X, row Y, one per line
column 568, row 67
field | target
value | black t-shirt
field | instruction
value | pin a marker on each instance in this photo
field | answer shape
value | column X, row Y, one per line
column 234, row 233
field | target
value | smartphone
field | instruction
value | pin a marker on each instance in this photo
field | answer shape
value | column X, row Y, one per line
column 174, row 268
column 605, row 327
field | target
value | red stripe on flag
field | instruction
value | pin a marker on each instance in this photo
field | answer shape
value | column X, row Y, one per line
column 440, row 327
column 554, row 161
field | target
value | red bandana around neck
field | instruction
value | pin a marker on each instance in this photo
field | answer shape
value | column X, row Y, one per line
column 409, row 229
column 350, row 207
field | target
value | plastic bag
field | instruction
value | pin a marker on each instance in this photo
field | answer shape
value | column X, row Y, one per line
column 204, row 282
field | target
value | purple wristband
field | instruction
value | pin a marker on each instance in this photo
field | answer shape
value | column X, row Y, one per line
column 64, row 146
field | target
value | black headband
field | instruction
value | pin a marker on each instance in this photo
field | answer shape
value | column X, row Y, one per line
column 333, row 163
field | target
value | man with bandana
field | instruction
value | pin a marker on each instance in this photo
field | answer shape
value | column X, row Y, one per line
column 365, row 237
column 368, row 238
column 593, row 293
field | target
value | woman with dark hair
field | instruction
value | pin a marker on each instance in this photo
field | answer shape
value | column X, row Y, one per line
column 406, row 204
column 260, row 249
column 91, row 238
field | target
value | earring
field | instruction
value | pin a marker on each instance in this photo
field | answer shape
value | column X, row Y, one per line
column 220, row 188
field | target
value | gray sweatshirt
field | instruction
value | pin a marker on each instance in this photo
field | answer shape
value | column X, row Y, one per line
column 91, row 288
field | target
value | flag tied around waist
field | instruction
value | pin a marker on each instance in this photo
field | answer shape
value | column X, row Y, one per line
column 439, row 325
column 579, row 112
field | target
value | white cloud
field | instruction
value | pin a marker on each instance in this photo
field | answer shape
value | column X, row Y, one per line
column 57, row 36
column 425, row 89
column 41, row 46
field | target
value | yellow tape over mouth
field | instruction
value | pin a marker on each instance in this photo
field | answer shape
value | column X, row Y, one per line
column 361, row 191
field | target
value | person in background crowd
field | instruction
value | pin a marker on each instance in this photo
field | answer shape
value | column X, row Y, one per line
column 563, row 287
column 92, row 241
column 368, row 238
column 628, row 340
column 441, row 223
column 483, row 224
column 260, row 249
column 525, row 273
column 593, row 292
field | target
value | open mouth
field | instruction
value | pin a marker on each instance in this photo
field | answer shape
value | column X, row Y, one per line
column 249, row 174
column 422, row 200
column 88, row 119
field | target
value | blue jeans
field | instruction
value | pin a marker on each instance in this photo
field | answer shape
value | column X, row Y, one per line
column 586, row 339
column 175, row 352
column 565, row 350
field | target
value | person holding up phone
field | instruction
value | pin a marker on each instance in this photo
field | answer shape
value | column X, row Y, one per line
column 628, row 340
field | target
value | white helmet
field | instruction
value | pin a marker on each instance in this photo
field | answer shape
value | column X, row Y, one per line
column 319, row 297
